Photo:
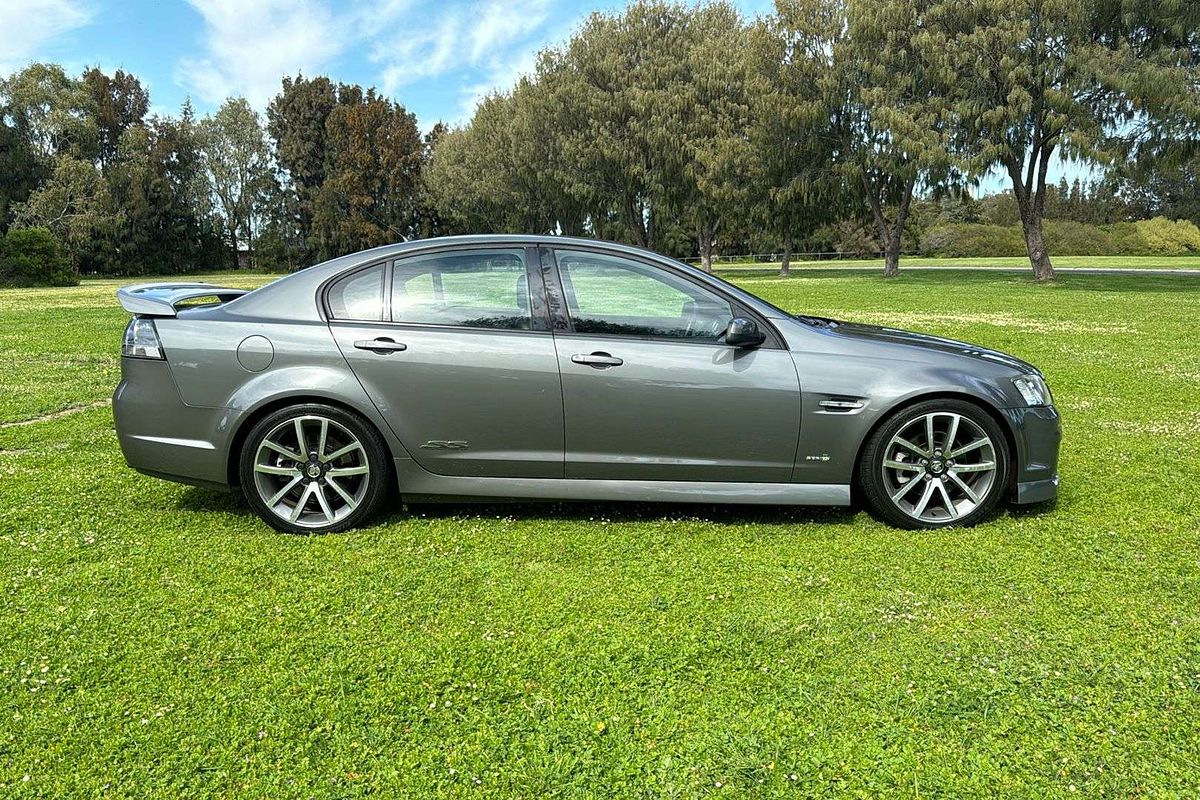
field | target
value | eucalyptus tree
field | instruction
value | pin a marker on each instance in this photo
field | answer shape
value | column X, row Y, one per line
column 797, row 190
column 887, row 121
column 237, row 161
column 1029, row 80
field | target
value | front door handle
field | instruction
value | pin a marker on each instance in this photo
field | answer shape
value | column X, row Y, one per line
column 598, row 360
column 382, row 345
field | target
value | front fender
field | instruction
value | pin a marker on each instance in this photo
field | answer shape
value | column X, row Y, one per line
column 843, row 399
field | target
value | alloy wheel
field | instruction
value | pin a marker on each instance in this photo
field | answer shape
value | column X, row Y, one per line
column 939, row 467
column 311, row 471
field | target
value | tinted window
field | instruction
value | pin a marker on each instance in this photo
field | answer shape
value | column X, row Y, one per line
column 612, row 295
column 468, row 288
column 358, row 296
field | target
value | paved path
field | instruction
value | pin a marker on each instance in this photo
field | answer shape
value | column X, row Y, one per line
column 1060, row 270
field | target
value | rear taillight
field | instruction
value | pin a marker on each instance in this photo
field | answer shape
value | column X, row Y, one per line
column 141, row 339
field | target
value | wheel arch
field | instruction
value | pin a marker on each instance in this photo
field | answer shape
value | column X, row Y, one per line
column 1010, row 438
column 248, row 420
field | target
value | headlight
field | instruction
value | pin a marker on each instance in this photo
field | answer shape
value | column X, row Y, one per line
column 141, row 339
column 1034, row 390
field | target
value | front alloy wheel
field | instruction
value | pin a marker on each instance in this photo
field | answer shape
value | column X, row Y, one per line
column 937, row 464
column 314, row 469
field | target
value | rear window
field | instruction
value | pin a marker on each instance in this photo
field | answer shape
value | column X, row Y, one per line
column 358, row 296
column 463, row 288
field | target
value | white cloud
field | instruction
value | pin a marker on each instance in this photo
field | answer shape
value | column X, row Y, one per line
column 251, row 44
column 27, row 26
column 492, row 36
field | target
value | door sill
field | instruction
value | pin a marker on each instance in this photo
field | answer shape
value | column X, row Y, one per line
column 415, row 481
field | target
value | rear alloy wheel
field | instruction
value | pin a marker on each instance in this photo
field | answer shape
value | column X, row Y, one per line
column 314, row 469
column 934, row 465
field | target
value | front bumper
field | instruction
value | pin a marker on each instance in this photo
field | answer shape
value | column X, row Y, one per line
column 1037, row 432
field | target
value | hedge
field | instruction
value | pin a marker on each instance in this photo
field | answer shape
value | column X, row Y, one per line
column 33, row 257
column 1158, row 236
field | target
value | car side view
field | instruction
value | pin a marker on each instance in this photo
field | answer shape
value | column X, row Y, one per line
column 557, row 368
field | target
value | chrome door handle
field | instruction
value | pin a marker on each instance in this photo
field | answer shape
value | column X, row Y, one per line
column 597, row 360
column 382, row 345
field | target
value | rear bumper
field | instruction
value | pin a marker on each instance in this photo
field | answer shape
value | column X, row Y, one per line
column 1038, row 435
column 160, row 435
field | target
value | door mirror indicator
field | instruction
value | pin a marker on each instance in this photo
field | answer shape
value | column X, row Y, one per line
column 743, row 333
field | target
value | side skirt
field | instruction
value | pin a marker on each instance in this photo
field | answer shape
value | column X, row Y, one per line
column 416, row 482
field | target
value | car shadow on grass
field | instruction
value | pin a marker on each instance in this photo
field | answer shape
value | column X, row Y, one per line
column 620, row 511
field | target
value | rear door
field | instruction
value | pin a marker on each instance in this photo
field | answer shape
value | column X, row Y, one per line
column 650, row 392
column 454, row 349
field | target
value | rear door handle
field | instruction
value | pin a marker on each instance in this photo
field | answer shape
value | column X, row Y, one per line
column 382, row 345
column 597, row 360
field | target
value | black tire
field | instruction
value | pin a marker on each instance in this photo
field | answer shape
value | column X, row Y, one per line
column 369, row 491
column 879, row 483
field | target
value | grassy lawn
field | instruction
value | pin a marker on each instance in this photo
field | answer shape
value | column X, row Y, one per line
column 1061, row 262
column 157, row 639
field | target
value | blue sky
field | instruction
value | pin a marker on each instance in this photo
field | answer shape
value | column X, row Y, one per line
column 437, row 58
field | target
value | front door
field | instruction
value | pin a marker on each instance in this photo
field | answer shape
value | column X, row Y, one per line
column 454, row 349
column 649, row 390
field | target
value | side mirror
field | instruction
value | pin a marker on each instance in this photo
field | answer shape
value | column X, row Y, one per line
column 744, row 332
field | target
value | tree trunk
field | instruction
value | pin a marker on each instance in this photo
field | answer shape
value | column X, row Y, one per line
column 1031, row 204
column 892, row 239
column 705, row 238
column 785, row 266
column 1035, row 245
column 891, row 256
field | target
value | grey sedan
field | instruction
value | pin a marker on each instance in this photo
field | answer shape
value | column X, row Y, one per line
column 548, row 367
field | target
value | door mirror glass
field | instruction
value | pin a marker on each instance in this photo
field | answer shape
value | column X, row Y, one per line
column 744, row 332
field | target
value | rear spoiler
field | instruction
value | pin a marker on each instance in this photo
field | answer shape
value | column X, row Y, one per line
column 161, row 299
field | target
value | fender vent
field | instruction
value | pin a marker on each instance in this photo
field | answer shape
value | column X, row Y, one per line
column 840, row 405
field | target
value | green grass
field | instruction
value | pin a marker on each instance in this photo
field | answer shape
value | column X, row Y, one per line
column 157, row 640
column 1061, row 262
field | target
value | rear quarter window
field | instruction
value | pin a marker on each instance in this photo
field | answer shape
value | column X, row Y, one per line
column 358, row 296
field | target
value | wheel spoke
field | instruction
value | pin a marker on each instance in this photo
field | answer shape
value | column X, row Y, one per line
column 903, row 490
column 954, row 420
column 924, row 501
column 344, row 471
column 967, row 448
column 982, row 466
column 950, row 509
column 350, row 448
column 930, row 442
column 300, row 436
column 287, row 488
column 910, row 446
column 322, row 501
column 967, row 490
column 331, row 483
column 324, row 435
column 283, row 451
column 907, row 466
column 268, row 469
column 302, row 502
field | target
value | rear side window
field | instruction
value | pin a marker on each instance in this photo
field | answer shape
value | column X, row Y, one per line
column 358, row 296
column 464, row 288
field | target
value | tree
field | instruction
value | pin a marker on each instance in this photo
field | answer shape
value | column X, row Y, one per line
column 1033, row 79
column 51, row 111
column 370, row 195
column 117, row 103
column 791, row 135
column 887, row 117
column 33, row 257
column 237, row 161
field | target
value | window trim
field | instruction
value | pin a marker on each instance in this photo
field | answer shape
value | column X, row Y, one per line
column 536, row 299
column 563, row 326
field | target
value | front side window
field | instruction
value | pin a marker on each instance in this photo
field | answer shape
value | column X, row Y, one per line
column 466, row 288
column 358, row 296
column 612, row 295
